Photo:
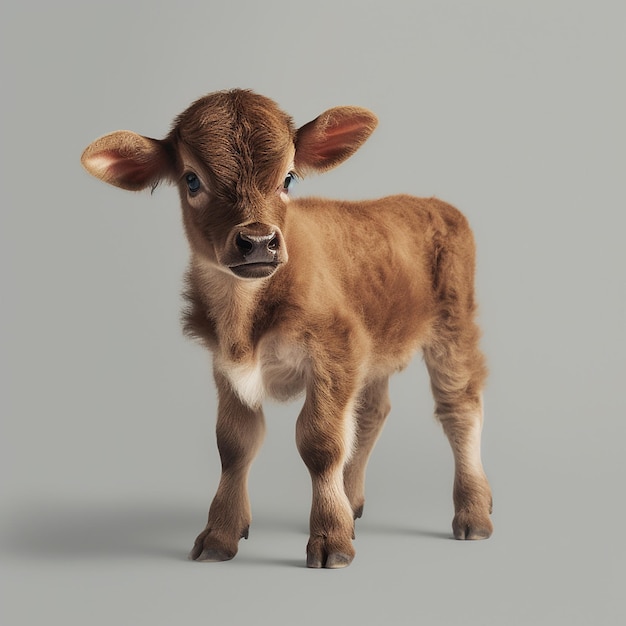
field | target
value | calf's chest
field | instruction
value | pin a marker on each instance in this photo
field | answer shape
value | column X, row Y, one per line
column 278, row 370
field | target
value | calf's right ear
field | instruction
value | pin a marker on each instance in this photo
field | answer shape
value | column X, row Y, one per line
column 127, row 160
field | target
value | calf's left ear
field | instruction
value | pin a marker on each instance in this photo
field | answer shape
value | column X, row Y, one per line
column 332, row 137
column 127, row 160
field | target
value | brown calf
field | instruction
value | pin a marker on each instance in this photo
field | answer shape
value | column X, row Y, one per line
column 310, row 295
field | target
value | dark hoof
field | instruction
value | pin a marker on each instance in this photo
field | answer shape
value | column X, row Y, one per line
column 337, row 560
column 211, row 546
column 467, row 529
column 323, row 552
column 471, row 534
column 211, row 555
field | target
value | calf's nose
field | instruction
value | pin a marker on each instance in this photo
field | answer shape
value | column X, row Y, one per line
column 256, row 248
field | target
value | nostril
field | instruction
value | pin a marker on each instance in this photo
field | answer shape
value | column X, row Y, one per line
column 244, row 244
column 273, row 244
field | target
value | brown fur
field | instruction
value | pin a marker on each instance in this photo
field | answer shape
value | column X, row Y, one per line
column 345, row 294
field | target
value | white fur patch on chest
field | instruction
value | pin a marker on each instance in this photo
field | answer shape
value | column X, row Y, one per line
column 247, row 382
column 278, row 370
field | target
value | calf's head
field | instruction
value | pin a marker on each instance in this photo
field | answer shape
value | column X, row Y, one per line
column 233, row 156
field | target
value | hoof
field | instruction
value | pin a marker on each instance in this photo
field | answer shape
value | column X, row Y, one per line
column 322, row 552
column 337, row 560
column 467, row 529
column 211, row 546
column 211, row 555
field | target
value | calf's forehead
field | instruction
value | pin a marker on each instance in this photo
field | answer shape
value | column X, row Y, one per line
column 241, row 137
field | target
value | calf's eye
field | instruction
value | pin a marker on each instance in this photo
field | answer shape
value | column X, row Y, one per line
column 289, row 180
column 193, row 183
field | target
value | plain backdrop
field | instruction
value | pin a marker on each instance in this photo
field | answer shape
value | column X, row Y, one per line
column 512, row 111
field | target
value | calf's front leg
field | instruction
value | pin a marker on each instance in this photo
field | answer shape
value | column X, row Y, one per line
column 240, row 431
column 324, row 434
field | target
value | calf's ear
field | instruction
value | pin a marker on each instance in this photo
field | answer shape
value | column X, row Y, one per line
column 128, row 160
column 332, row 137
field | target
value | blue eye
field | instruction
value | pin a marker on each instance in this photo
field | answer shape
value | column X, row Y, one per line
column 193, row 183
column 289, row 180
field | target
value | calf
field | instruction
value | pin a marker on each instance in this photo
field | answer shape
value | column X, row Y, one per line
column 310, row 295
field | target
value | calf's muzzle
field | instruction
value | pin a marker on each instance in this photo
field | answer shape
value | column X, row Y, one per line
column 258, row 249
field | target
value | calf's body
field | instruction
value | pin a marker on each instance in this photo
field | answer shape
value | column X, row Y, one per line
column 312, row 296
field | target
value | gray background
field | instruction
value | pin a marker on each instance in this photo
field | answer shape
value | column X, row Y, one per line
column 512, row 111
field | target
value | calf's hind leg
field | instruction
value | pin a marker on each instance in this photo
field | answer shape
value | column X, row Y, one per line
column 457, row 373
column 372, row 409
